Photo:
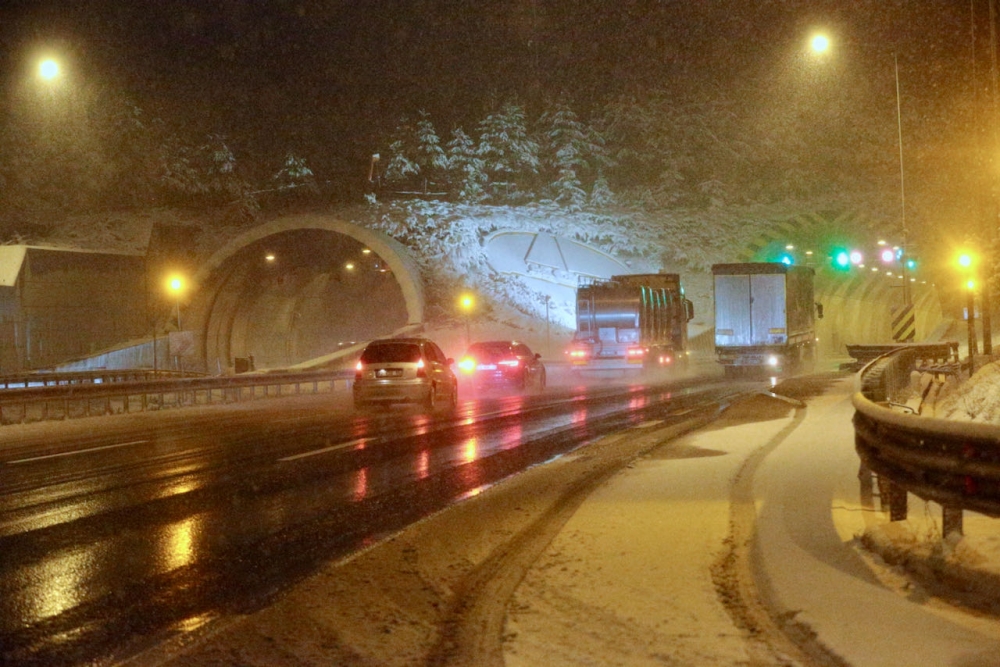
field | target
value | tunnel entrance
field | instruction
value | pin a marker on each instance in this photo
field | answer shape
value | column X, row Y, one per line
column 295, row 295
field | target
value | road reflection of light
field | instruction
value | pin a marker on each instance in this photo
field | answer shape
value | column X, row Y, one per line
column 579, row 416
column 774, row 381
column 360, row 485
column 637, row 402
column 423, row 464
column 512, row 437
column 471, row 450
column 472, row 493
column 178, row 542
column 58, row 584
column 422, row 425
column 195, row 622
column 180, row 486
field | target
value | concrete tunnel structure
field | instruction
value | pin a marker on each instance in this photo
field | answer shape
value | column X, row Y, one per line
column 290, row 310
column 313, row 296
column 304, row 306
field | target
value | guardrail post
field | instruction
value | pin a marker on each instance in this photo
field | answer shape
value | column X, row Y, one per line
column 951, row 521
column 895, row 497
column 867, row 487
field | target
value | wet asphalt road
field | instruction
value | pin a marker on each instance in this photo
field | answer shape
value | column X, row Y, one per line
column 119, row 531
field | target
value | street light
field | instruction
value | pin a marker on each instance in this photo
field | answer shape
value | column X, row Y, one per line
column 48, row 69
column 970, row 287
column 967, row 261
column 467, row 303
column 819, row 43
column 176, row 285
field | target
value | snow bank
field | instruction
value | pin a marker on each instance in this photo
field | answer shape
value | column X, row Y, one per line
column 975, row 400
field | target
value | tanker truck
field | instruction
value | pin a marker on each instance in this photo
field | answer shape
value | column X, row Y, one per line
column 764, row 317
column 630, row 323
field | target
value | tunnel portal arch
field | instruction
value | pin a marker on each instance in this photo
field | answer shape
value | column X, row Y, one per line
column 212, row 311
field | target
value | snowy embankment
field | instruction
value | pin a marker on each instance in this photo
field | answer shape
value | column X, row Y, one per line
column 977, row 399
column 966, row 567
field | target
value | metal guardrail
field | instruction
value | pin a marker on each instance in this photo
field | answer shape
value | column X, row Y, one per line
column 943, row 352
column 956, row 464
column 84, row 399
column 52, row 378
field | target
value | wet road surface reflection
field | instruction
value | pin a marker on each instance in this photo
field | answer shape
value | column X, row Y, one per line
column 103, row 550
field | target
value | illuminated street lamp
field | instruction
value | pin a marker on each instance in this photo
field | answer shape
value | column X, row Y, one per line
column 467, row 303
column 967, row 261
column 176, row 286
column 48, row 69
column 819, row 43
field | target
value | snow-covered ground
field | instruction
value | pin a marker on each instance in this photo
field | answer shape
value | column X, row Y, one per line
column 977, row 399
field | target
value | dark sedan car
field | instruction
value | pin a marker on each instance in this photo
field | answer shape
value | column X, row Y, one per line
column 503, row 364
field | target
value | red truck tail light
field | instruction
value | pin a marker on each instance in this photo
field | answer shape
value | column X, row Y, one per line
column 635, row 352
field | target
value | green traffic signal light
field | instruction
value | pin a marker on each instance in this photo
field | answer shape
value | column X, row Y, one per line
column 841, row 259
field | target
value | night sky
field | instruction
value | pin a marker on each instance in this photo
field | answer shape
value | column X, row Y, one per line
column 328, row 78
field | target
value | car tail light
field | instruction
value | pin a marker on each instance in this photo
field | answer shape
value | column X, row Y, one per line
column 358, row 370
column 467, row 364
column 421, row 371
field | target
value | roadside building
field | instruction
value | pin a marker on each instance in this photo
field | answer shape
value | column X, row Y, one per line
column 58, row 304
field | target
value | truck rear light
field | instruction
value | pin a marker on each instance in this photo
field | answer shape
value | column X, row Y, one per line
column 577, row 353
column 635, row 352
column 666, row 360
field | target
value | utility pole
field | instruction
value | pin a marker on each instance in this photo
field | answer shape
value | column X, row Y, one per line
column 907, row 301
column 985, row 296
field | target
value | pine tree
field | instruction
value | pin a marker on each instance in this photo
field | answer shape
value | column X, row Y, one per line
column 509, row 154
column 294, row 174
column 570, row 155
column 465, row 168
column 415, row 151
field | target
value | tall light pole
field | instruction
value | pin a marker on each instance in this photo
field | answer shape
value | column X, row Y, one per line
column 176, row 285
column 970, row 286
column 467, row 303
column 966, row 262
column 902, row 187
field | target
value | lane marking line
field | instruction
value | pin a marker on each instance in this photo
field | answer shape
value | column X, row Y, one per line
column 78, row 451
column 332, row 448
